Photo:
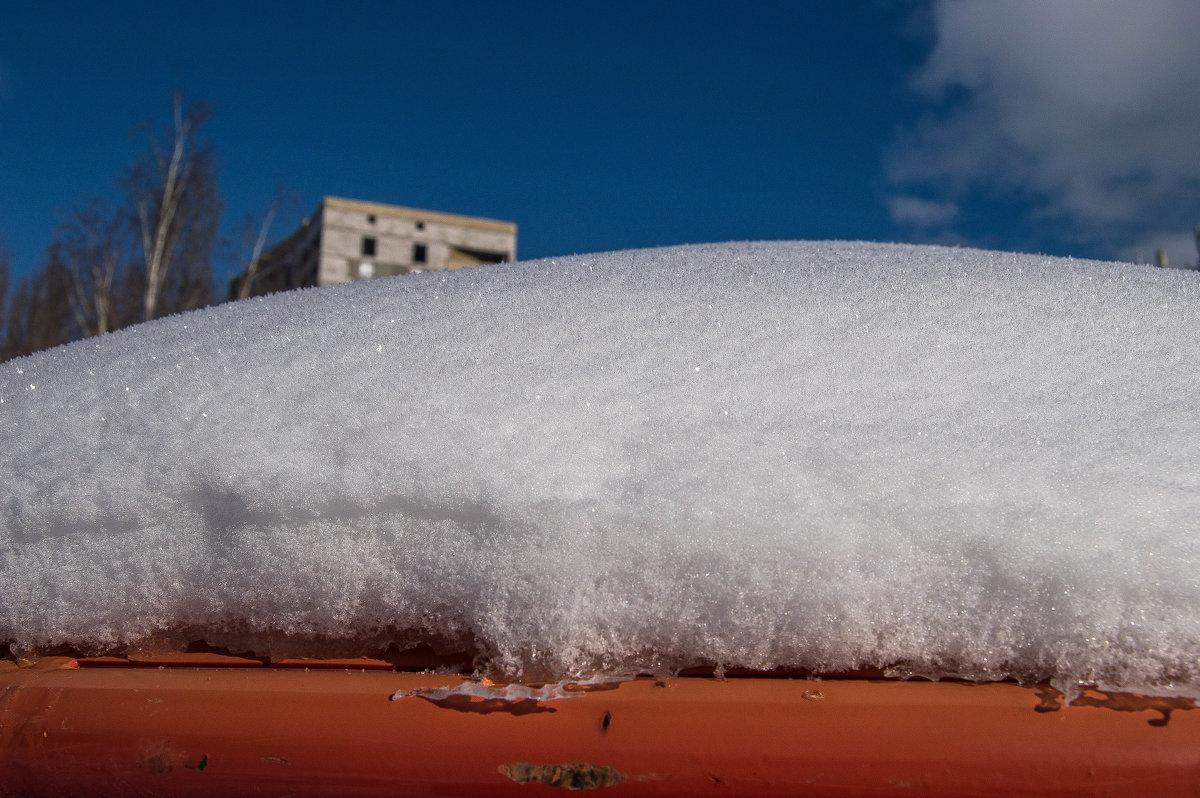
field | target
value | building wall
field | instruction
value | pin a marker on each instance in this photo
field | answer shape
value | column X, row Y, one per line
column 349, row 240
column 405, row 240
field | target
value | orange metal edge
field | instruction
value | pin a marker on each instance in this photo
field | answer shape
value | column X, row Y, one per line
column 200, row 727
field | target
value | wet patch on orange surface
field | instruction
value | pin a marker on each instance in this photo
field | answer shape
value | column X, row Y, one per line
column 1128, row 702
column 1051, row 700
column 486, row 706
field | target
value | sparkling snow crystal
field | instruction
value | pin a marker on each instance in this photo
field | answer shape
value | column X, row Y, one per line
column 815, row 455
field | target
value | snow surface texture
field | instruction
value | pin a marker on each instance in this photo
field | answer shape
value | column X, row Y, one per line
column 816, row 455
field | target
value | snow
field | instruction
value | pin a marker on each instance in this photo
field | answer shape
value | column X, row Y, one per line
column 817, row 455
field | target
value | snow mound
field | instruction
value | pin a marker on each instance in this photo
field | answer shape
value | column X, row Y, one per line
column 821, row 456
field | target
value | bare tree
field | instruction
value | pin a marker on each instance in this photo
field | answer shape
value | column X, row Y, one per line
column 112, row 266
column 245, row 284
column 52, row 324
column 173, row 193
column 93, row 247
column 14, row 343
column 38, row 315
column 4, row 279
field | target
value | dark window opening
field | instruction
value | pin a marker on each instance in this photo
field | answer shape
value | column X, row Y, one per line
column 371, row 218
column 420, row 225
column 368, row 247
column 420, row 253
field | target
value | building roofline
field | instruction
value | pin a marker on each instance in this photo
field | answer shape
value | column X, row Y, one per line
column 414, row 214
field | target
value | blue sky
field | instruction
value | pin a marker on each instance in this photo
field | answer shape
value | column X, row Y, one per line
column 1067, row 127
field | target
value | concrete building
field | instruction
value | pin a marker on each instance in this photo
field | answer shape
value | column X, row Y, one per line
column 348, row 240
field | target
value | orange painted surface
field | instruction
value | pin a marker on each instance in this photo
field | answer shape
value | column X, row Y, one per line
column 150, row 730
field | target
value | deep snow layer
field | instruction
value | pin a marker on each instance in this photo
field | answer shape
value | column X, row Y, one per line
column 818, row 455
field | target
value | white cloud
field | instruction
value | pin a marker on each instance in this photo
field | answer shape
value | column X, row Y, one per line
column 921, row 212
column 1089, row 108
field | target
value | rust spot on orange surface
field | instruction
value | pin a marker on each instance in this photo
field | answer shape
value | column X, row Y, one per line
column 278, row 760
column 1129, row 702
column 158, row 757
column 568, row 775
column 606, row 721
column 813, row 695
